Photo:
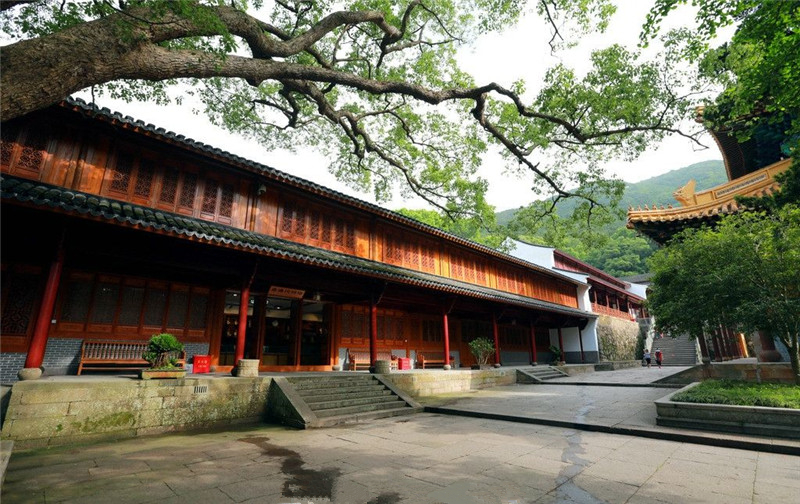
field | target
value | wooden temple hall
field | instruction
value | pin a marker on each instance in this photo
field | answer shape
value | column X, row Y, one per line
column 113, row 229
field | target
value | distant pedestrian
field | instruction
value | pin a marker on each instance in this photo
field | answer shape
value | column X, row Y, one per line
column 647, row 356
column 659, row 357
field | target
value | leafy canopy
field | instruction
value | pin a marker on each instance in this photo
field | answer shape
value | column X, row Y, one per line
column 375, row 85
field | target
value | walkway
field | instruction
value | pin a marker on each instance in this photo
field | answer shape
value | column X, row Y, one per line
column 426, row 459
column 619, row 402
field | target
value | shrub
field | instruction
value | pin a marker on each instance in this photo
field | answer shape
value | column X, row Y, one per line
column 162, row 351
column 556, row 353
column 481, row 349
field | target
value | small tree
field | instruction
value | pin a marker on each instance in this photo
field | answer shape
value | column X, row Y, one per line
column 744, row 273
column 481, row 349
column 162, row 351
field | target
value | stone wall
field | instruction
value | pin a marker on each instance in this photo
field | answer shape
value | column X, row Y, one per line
column 45, row 413
column 775, row 372
column 617, row 338
column 443, row 382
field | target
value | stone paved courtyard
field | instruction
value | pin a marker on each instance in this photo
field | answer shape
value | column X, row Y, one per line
column 422, row 459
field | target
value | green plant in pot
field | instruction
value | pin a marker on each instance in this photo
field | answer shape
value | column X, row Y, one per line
column 557, row 357
column 163, row 353
column 482, row 349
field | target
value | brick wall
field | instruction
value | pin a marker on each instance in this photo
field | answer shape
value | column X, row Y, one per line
column 10, row 364
column 61, row 356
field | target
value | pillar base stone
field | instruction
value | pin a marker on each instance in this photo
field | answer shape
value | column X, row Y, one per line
column 29, row 373
column 246, row 368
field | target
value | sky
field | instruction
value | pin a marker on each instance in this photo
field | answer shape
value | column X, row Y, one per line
column 518, row 53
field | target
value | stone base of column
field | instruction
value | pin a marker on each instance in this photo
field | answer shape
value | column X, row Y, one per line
column 29, row 373
column 383, row 367
column 246, row 368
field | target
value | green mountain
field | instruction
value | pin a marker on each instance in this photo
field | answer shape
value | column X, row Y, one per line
column 656, row 190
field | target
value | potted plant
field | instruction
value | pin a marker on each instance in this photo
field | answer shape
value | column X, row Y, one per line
column 482, row 349
column 557, row 358
column 163, row 353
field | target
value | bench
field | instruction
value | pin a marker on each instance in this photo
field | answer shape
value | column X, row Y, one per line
column 100, row 355
column 357, row 357
column 428, row 359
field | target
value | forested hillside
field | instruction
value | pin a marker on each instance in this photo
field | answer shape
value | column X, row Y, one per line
column 656, row 190
column 614, row 248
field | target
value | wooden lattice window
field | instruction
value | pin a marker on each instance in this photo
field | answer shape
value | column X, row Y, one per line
column 300, row 222
column 432, row 330
column 350, row 236
column 169, row 187
column 144, row 179
column 339, row 232
column 209, row 205
column 326, row 229
column 33, row 150
column 288, row 217
column 427, row 259
column 313, row 230
column 9, row 135
column 128, row 306
column 188, row 190
column 226, row 201
column 121, row 174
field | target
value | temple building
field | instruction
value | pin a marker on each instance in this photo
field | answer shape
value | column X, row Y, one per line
column 113, row 229
column 751, row 166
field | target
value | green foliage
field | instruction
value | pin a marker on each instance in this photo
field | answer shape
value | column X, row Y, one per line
column 741, row 393
column 481, row 229
column 482, row 349
column 162, row 351
column 758, row 69
column 556, row 353
column 605, row 242
column 744, row 273
column 384, row 98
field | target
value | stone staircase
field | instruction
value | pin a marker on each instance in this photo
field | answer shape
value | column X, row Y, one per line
column 325, row 400
column 680, row 351
column 538, row 374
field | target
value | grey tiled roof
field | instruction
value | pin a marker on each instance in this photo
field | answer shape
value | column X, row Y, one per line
column 118, row 120
column 42, row 195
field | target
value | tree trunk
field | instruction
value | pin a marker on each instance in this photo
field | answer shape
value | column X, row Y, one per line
column 795, row 358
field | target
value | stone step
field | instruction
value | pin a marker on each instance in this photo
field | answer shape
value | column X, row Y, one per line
column 322, row 397
column 332, row 421
column 362, row 408
column 339, row 404
column 352, row 389
column 317, row 383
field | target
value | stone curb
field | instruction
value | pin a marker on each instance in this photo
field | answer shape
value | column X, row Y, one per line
column 626, row 431
column 628, row 385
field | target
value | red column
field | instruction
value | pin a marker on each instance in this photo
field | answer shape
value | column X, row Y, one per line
column 533, row 344
column 39, row 340
column 244, row 304
column 373, row 334
column 446, row 339
column 496, row 335
column 580, row 340
column 561, row 344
